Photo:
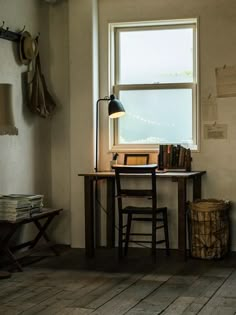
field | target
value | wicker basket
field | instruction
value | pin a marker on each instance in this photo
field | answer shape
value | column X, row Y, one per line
column 209, row 228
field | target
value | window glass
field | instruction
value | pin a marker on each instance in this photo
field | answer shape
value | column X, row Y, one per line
column 156, row 116
column 156, row 56
column 154, row 74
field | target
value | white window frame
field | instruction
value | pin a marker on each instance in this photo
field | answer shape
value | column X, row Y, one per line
column 114, row 29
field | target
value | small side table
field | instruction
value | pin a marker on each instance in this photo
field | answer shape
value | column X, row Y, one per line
column 47, row 215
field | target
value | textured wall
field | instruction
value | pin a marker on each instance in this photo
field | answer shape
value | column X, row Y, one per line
column 46, row 156
column 25, row 160
column 58, row 67
column 217, row 21
column 83, row 94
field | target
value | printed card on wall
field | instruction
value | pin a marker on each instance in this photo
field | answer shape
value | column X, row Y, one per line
column 226, row 81
column 215, row 131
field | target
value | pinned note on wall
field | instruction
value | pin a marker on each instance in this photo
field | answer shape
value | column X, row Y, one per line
column 226, row 81
column 215, row 131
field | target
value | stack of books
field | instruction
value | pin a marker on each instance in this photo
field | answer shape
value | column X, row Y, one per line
column 174, row 157
column 17, row 206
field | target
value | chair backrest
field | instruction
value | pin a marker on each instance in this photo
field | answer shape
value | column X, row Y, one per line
column 136, row 159
column 147, row 171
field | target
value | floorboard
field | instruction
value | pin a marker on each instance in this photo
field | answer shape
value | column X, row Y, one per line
column 72, row 285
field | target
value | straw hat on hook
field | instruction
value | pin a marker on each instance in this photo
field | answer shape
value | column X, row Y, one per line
column 28, row 48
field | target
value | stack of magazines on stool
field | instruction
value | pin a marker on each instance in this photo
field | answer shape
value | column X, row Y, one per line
column 19, row 206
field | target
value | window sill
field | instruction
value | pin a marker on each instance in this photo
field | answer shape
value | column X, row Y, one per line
column 142, row 148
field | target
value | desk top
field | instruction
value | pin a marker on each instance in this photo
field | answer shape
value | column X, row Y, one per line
column 165, row 174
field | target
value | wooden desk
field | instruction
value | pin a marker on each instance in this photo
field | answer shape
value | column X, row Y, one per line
column 180, row 178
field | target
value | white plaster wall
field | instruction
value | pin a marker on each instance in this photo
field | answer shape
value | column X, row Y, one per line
column 24, row 166
column 47, row 156
column 217, row 47
column 26, row 160
column 83, row 56
column 58, row 80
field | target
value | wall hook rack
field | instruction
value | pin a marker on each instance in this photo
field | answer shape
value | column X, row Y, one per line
column 5, row 33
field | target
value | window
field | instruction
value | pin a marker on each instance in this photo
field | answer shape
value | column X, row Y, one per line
column 154, row 74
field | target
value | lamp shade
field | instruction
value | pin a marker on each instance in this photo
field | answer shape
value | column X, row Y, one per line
column 7, row 126
column 115, row 108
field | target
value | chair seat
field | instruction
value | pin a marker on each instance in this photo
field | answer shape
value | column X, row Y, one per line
column 142, row 210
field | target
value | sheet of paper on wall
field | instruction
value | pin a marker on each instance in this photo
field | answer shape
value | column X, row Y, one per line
column 226, row 81
column 209, row 108
column 215, row 131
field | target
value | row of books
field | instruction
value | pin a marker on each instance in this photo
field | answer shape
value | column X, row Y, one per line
column 173, row 157
column 18, row 206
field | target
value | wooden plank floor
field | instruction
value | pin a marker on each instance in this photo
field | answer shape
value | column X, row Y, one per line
column 73, row 285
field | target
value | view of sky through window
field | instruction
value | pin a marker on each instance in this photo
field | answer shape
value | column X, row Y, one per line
column 156, row 56
column 152, row 117
column 161, row 114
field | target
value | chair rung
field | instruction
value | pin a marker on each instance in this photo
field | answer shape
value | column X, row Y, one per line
column 147, row 234
column 140, row 241
column 144, row 241
column 160, row 241
column 160, row 227
column 147, row 219
column 143, row 234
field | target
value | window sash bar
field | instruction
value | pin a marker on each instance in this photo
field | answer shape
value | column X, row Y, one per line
column 154, row 86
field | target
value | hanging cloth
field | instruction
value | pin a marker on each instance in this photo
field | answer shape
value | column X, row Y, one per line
column 41, row 102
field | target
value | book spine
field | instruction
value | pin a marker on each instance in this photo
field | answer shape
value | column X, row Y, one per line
column 160, row 158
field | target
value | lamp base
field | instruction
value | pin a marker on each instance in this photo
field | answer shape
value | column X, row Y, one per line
column 5, row 275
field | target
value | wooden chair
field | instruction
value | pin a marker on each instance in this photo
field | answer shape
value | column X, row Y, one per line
column 132, row 212
column 136, row 159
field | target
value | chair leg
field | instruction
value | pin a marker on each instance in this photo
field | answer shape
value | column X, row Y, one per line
column 120, row 243
column 129, row 220
column 166, row 232
column 154, row 237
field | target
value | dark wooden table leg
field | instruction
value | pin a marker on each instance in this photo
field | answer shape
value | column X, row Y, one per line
column 42, row 229
column 89, row 216
column 42, row 233
column 197, row 187
column 97, row 216
column 13, row 258
column 110, row 212
column 4, row 244
column 182, row 215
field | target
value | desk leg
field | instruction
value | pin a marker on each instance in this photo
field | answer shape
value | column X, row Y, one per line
column 181, row 214
column 110, row 212
column 197, row 187
column 89, row 216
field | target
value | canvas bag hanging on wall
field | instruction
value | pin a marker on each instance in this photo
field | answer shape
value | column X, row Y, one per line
column 40, row 100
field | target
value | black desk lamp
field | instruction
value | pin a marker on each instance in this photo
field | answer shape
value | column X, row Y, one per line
column 115, row 110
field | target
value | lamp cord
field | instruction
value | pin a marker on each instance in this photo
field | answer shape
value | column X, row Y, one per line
column 116, row 227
